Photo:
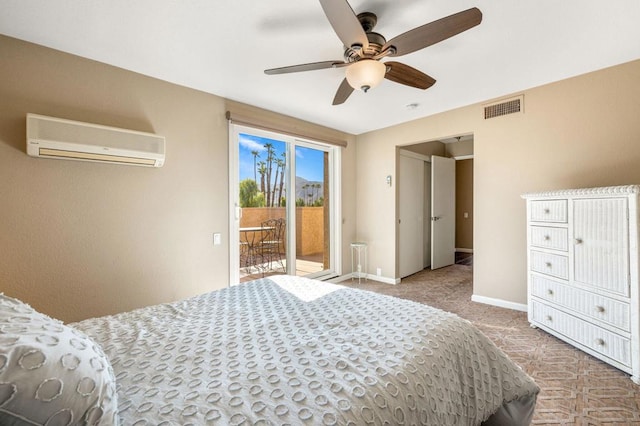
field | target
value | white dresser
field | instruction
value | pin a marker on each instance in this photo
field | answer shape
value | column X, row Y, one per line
column 582, row 249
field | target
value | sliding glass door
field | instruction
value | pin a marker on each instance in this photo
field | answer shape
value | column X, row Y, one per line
column 313, row 215
column 284, row 208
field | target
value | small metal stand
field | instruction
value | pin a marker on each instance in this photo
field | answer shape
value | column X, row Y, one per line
column 359, row 249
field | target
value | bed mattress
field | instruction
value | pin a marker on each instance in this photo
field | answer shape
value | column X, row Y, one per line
column 290, row 350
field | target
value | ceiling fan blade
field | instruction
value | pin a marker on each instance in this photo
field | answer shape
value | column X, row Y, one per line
column 344, row 91
column 344, row 22
column 305, row 67
column 409, row 76
column 434, row 32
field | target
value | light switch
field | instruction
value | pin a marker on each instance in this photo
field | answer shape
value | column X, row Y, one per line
column 217, row 238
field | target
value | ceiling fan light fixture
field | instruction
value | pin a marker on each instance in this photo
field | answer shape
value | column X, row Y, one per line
column 365, row 74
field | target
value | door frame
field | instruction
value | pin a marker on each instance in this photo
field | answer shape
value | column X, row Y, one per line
column 427, row 160
column 335, row 197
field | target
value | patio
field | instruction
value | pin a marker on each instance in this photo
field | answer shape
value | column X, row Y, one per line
column 263, row 233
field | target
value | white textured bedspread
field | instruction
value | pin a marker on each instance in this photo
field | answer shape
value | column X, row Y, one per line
column 289, row 350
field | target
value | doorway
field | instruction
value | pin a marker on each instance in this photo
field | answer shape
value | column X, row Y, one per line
column 285, row 197
column 459, row 230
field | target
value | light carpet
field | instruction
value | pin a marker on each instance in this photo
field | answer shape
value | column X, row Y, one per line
column 576, row 388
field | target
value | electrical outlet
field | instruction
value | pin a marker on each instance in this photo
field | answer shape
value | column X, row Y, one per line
column 379, row 272
column 217, row 239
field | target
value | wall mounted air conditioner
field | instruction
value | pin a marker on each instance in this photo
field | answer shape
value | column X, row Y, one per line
column 49, row 137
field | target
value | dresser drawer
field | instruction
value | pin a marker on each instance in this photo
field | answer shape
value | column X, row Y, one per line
column 601, row 308
column 551, row 264
column 548, row 211
column 551, row 238
column 604, row 342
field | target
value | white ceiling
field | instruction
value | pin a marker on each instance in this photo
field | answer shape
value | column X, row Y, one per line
column 222, row 47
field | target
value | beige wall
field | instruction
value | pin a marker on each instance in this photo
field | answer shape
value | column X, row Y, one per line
column 580, row 132
column 461, row 148
column 81, row 239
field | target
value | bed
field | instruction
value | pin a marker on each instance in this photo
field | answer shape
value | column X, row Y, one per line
column 276, row 351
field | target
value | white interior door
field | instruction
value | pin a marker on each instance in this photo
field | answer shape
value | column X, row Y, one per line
column 443, row 208
column 411, row 215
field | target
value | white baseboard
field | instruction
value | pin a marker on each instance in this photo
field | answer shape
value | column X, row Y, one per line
column 499, row 302
column 474, row 298
column 385, row 280
column 464, row 250
column 370, row 277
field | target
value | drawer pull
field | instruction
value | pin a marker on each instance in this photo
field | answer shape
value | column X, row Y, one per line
column 578, row 240
column 550, row 292
column 548, row 318
column 600, row 309
column 600, row 342
column 547, row 238
column 547, row 264
column 547, row 211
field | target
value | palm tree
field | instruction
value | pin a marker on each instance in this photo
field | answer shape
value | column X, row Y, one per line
column 317, row 187
column 262, row 170
column 270, row 152
column 275, row 183
column 310, row 194
column 255, row 154
column 281, row 164
column 304, row 190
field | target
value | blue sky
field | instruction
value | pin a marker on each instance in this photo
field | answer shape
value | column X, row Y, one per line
column 309, row 162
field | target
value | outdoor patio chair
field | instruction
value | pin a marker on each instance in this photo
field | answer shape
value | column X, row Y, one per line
column 272, row 245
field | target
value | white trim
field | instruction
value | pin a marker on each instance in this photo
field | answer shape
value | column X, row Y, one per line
column 336, row 219
column 234, row 206
column 385, row 280
column 500, row 303
column 463, row 157
column 378, row 278
column 600, row 191
column 464, row 250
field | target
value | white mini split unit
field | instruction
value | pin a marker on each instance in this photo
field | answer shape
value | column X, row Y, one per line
column 49, row 137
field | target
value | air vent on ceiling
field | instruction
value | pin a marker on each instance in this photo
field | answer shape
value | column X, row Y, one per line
column 504, row 107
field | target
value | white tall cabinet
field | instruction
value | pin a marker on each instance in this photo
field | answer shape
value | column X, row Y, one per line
column 582, row 249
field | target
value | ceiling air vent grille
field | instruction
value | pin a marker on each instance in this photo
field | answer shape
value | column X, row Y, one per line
column 504, row 107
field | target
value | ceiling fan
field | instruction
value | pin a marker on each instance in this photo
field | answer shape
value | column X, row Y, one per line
column 364, row 48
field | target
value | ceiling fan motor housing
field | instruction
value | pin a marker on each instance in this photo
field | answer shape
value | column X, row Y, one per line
column 368, row 20
column 356, row 52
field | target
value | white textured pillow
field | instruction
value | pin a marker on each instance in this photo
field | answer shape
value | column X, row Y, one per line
column 51, row 373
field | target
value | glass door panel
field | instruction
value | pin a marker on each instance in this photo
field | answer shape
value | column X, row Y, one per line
column 262, row 200
column 313, row 227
